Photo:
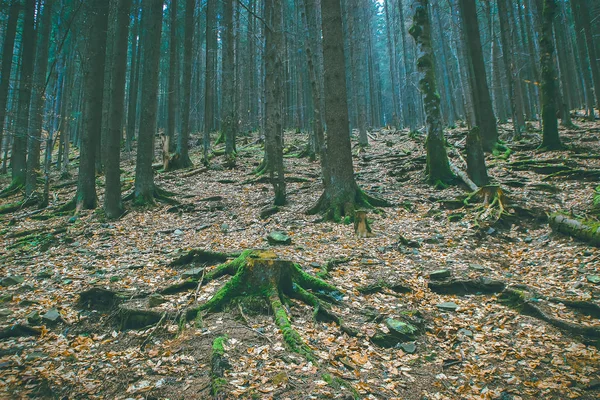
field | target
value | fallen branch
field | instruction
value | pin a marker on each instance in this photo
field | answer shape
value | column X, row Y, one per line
column 583, row 230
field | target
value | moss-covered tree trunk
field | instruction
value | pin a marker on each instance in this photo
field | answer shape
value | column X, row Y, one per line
column 438, row 167
column 550, row 140
column 341, row 194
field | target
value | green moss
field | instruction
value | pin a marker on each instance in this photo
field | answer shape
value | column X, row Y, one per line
column 217, row 345
column 501, row 151
column 217, row 385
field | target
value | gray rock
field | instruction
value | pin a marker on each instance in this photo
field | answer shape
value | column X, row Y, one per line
column 402, row 329
column 279, row 238
column 47, row 273
column 447, row 306
column 224, row 228
column 35, row 355
column 477, row 267
column 155, row 300
column 192, row 273
column 595, row 279
column 33, row 318
column 440, row 274
column 12, row 280
column 409, row 348
column 5, row 313
column 465, row 332
column 178, row 232
column 52, row 316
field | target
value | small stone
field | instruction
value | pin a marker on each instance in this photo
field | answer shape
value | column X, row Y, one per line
column 192, row 273
column 156, row 300
column 595, row 279
column 115, row 278
column 178, row 232
column 12, row 280
column 587, row 253
column 409, row 348
column 47, row 273
column 224, row 228
column 447, row 306
column 465, row 332
column 315, row 265
column 33, row 318
column 26, row 288
column 268, row 211
column 35, row 355
column 440, row 274
column 528, row 239
column 490, row 231
column 72, row 219
column 52, row 316
column 279, row 238
column 5, row 313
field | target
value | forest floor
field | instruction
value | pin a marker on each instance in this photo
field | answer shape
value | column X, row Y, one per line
column 473, row 345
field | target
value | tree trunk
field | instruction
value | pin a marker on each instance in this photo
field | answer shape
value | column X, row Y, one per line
column 438, row 167
column 210, row 81
column 583, row 11
column 274, row 99
column 118, row 69
column 38, row 100
column 173, row 83
column 134, row 77
column 93, row 81
column 8, row 47
column 229, row 118
column 551, row 140
column 144, row 174
column 482, row 102
column 19, row 149
column 476, row 159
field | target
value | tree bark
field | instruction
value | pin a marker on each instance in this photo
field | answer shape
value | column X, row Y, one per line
column 8, row 47
column 173, row 83
column 229, row 118
column 112, row 197
column 152, row 14
column 134, row 76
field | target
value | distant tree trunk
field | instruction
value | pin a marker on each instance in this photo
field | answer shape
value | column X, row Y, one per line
column 7, row 55
column 38, row 98
column 229, row 117
column 116, row 112
column 341, row 194
column 484, row 113
column 152, row 14
column 134, row 77
column 564, row 99
column 583, row 59
column 476, row 168
column 210, row 81
column 173, row 84
column 274, row 99
column 19, row 149
column 393, row 74
column 512, row 77
column 583, row 11
column 551, row 140
column 438, row 166
column 410, row 100
column 93, row 87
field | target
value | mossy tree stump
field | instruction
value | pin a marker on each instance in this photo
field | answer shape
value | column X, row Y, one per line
column 261, row 274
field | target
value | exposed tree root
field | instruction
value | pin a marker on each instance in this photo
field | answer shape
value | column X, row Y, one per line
column 495, row 204
column 201, row 256
column 13, row 188
column 160, row 195
column 19, row 330
column 330, row 265
column 333, row 210
column 522, row 301
column 587, row 231
column 218, row 365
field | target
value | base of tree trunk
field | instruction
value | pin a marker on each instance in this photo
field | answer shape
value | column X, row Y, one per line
column 333, row 210
column 13, row 188
column 177, row 161
column 158, row 194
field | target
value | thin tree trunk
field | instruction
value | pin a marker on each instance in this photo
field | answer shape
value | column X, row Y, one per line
column 8, row 47
column 173, row 84
column 551, row 140
column 183, row 158
column 134, row 78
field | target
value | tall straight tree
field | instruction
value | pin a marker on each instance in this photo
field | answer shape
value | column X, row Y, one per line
column 210, row 81
column 342, row 194
column 8, row 47
column 38, row 98
column 274, row 98
column 19, row 149
column 438, row 166
column 229, row 119
column 583, row 9
column 173, row 83
column 134, row 77
column 145, row 190
column 95, row 29
column 482, row 102
column 118, row 69
column 550, row 138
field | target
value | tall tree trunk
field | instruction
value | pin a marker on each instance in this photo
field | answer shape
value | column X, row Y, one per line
column 584, row 61
column 210, row 81
column 551, row 140
column 438, row 166
column 392, row 55
column 583, row 11
column 182, row 156
column 19, row 149
column 229, row 118
column 134, row 78
column 274, row 98
column 8, row 47
column 118, row 69
column 93, row 87
column 173, row 83
column 152, row 14
column 38, row 99
column 484, row 113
